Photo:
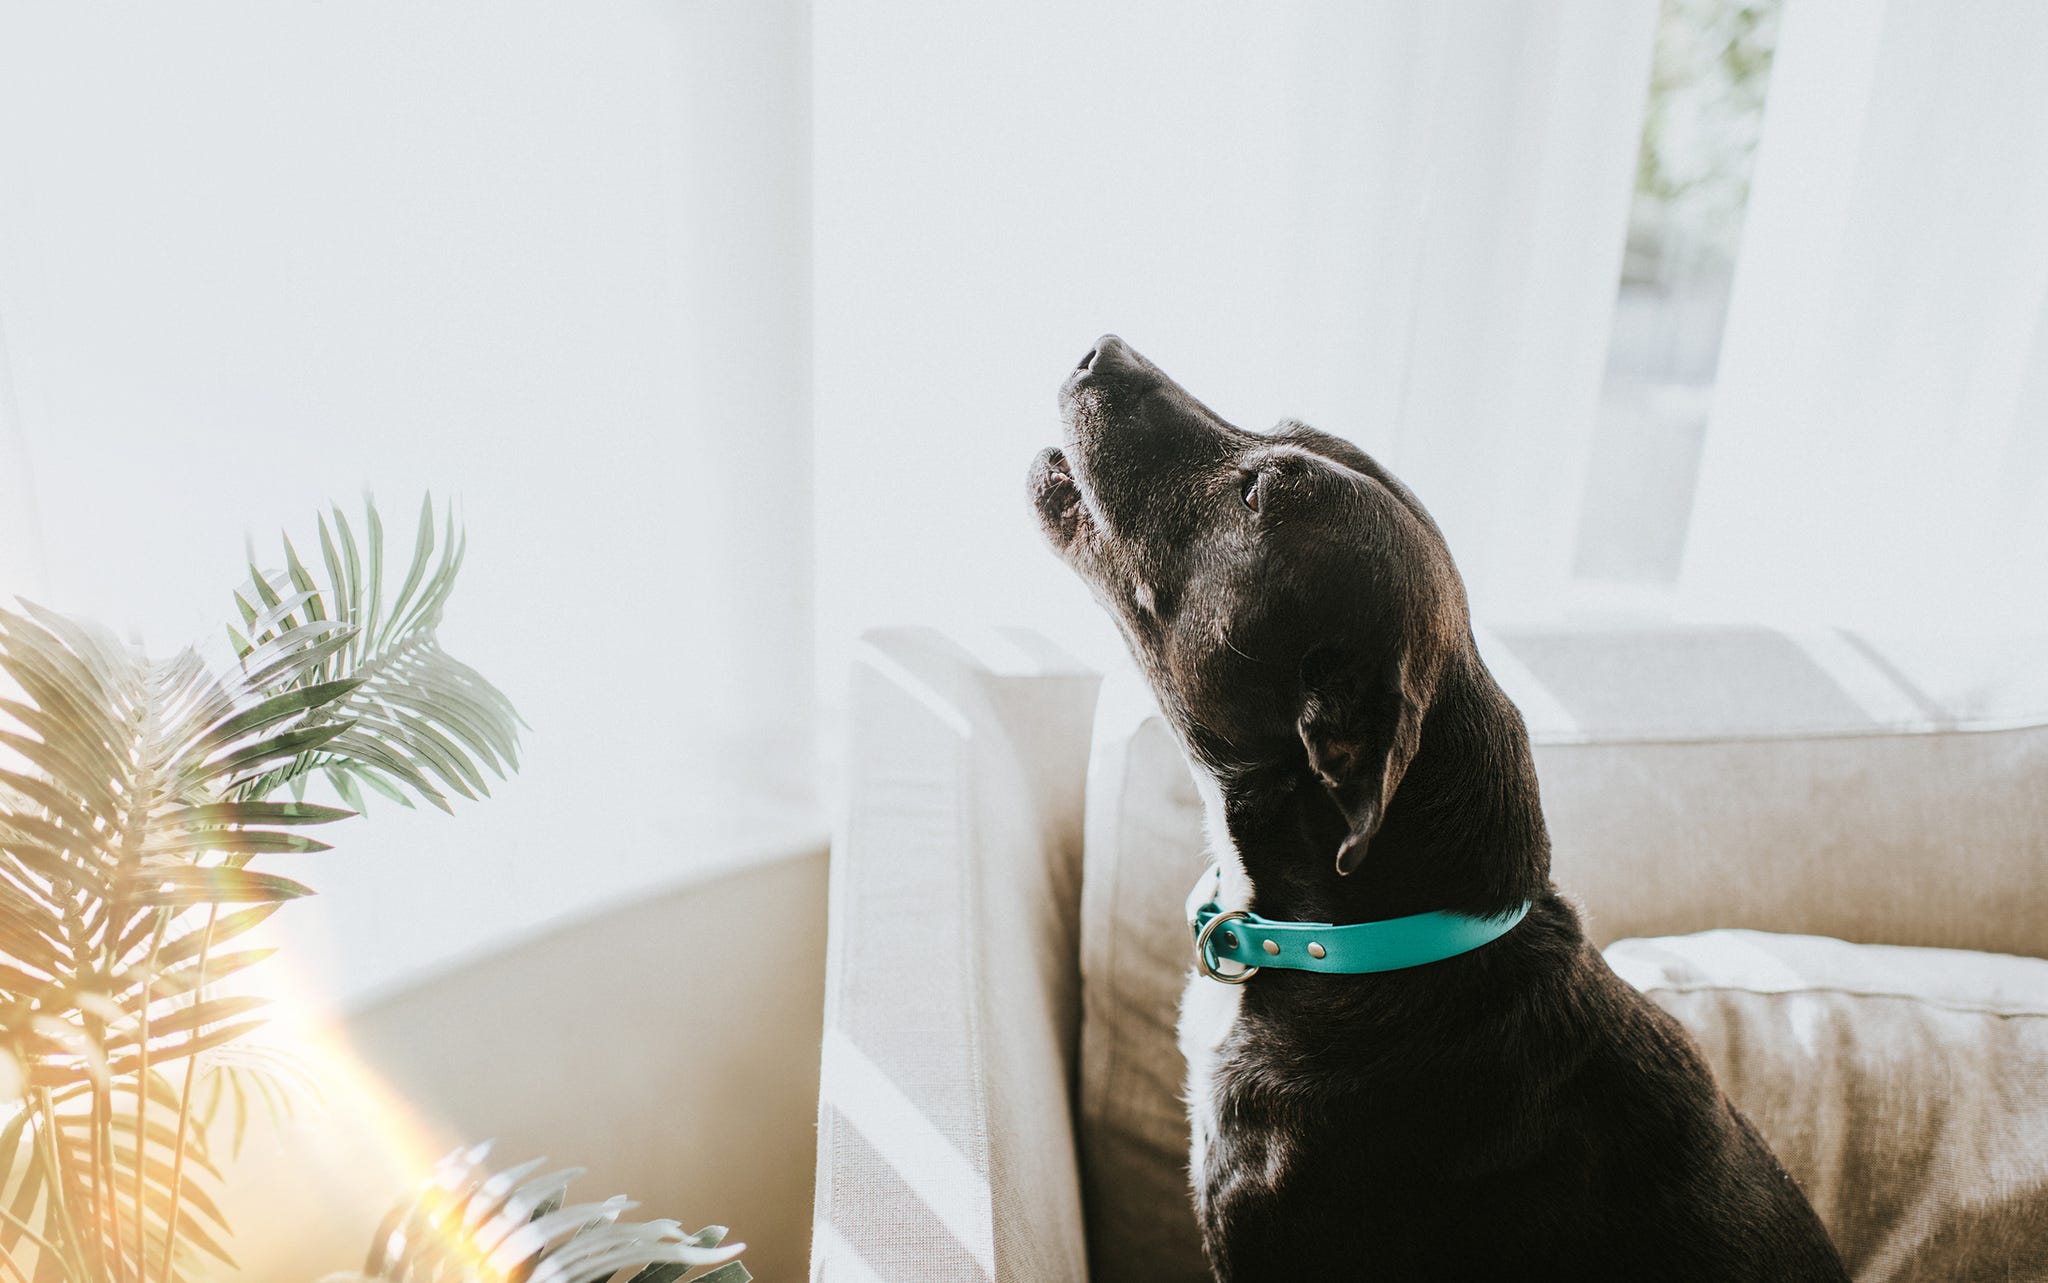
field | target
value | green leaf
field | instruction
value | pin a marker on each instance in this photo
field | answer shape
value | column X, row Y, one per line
column 344, row 783
column 375, row 594
column 282, row 659
column 212, row 1011
column 337, row 577
column 303, row 581
column 371, row 751
column 279, row 609
column 419, row 712
column 61, row 855
column 240, row 841
column 247, row 813
column 381, row 785
column 90, row 784
column 61, row 806
column 422, row 552
column 190, row 1046
column 170, row 983
column 524, row 1226
column 224, row 928
column 188, row 885
column 17, row 1156
column 26, row 935
column 352, row 564
column 289, row 744
column 275, row 709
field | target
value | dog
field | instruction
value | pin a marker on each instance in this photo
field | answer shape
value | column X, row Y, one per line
column 1513, row 1111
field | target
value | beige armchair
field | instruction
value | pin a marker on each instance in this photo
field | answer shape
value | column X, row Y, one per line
column 1827, row 854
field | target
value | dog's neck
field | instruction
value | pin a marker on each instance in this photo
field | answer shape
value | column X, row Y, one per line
column 1463, row 833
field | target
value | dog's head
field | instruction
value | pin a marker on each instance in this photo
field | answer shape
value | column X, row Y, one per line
column 1290, row 601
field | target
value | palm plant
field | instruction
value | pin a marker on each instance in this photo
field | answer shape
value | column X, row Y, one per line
column 470, row 1222
column 135, row 799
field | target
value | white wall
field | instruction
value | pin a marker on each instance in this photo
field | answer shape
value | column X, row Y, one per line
column 647, row 1045
column 551, row 259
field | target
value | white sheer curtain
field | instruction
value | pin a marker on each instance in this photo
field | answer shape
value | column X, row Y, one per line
column 1485, row 205
column 1878, row 446
column 1401, row 221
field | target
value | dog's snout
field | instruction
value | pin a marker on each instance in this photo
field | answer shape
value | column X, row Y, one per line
column 1109, row 356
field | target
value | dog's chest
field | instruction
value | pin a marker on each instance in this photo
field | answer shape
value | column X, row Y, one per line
column 1208, row 1012
column 1209, row 1009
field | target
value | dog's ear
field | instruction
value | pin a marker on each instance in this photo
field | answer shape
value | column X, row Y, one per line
column 1360, row 723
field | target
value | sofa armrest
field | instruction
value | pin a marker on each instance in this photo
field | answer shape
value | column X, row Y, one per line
column 945, row 1150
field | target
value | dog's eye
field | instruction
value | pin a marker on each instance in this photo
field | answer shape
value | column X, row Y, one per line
column 1251, row 491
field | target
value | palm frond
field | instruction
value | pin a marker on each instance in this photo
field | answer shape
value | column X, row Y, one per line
column 134, row 799
column 78, row 1159
column 470, row 1224
column 120, row 842
column 237, row 1075
column 123, row 849
column 422, row 723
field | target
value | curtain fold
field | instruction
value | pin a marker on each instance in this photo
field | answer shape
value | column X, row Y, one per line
column 1877, row 450
column 1504, row 179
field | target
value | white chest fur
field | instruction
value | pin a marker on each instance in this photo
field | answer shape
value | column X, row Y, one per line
column 1208, row 1009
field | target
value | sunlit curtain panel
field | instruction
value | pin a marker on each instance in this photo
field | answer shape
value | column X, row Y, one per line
column 1878, row 445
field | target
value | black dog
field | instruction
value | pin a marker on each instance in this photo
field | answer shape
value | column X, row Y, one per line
column 1515, row 1112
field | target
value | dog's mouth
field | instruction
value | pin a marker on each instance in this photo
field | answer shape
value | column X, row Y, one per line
column 1062, row 510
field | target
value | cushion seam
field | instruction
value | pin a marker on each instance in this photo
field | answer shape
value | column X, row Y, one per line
column 1962, row 1008
column 1596, row 737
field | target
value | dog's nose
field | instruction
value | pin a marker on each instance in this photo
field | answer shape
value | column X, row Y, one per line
column 1109, row 352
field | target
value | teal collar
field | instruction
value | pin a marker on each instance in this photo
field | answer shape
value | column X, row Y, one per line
column 1253, row 942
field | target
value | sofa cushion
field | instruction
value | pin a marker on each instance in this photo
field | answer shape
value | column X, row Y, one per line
column 1887, row 790
column 1821, row 783
column 1141, row 840
column 1906, row 1089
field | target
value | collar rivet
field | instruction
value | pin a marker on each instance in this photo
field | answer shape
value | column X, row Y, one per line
column 1314, row 950
column 1273, row 947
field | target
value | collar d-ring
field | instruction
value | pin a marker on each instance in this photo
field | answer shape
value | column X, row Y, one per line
column 1207, row 967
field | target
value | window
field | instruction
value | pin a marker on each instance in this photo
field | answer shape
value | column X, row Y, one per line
column 1709, row 78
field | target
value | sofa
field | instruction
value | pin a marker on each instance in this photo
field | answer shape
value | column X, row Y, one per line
column 1826, row 853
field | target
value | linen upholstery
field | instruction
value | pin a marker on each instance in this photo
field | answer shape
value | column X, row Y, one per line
column 1906, row 1089
column 1135, row 956
column 1888, row 791
column 1895, row 795
column 945, row 1149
